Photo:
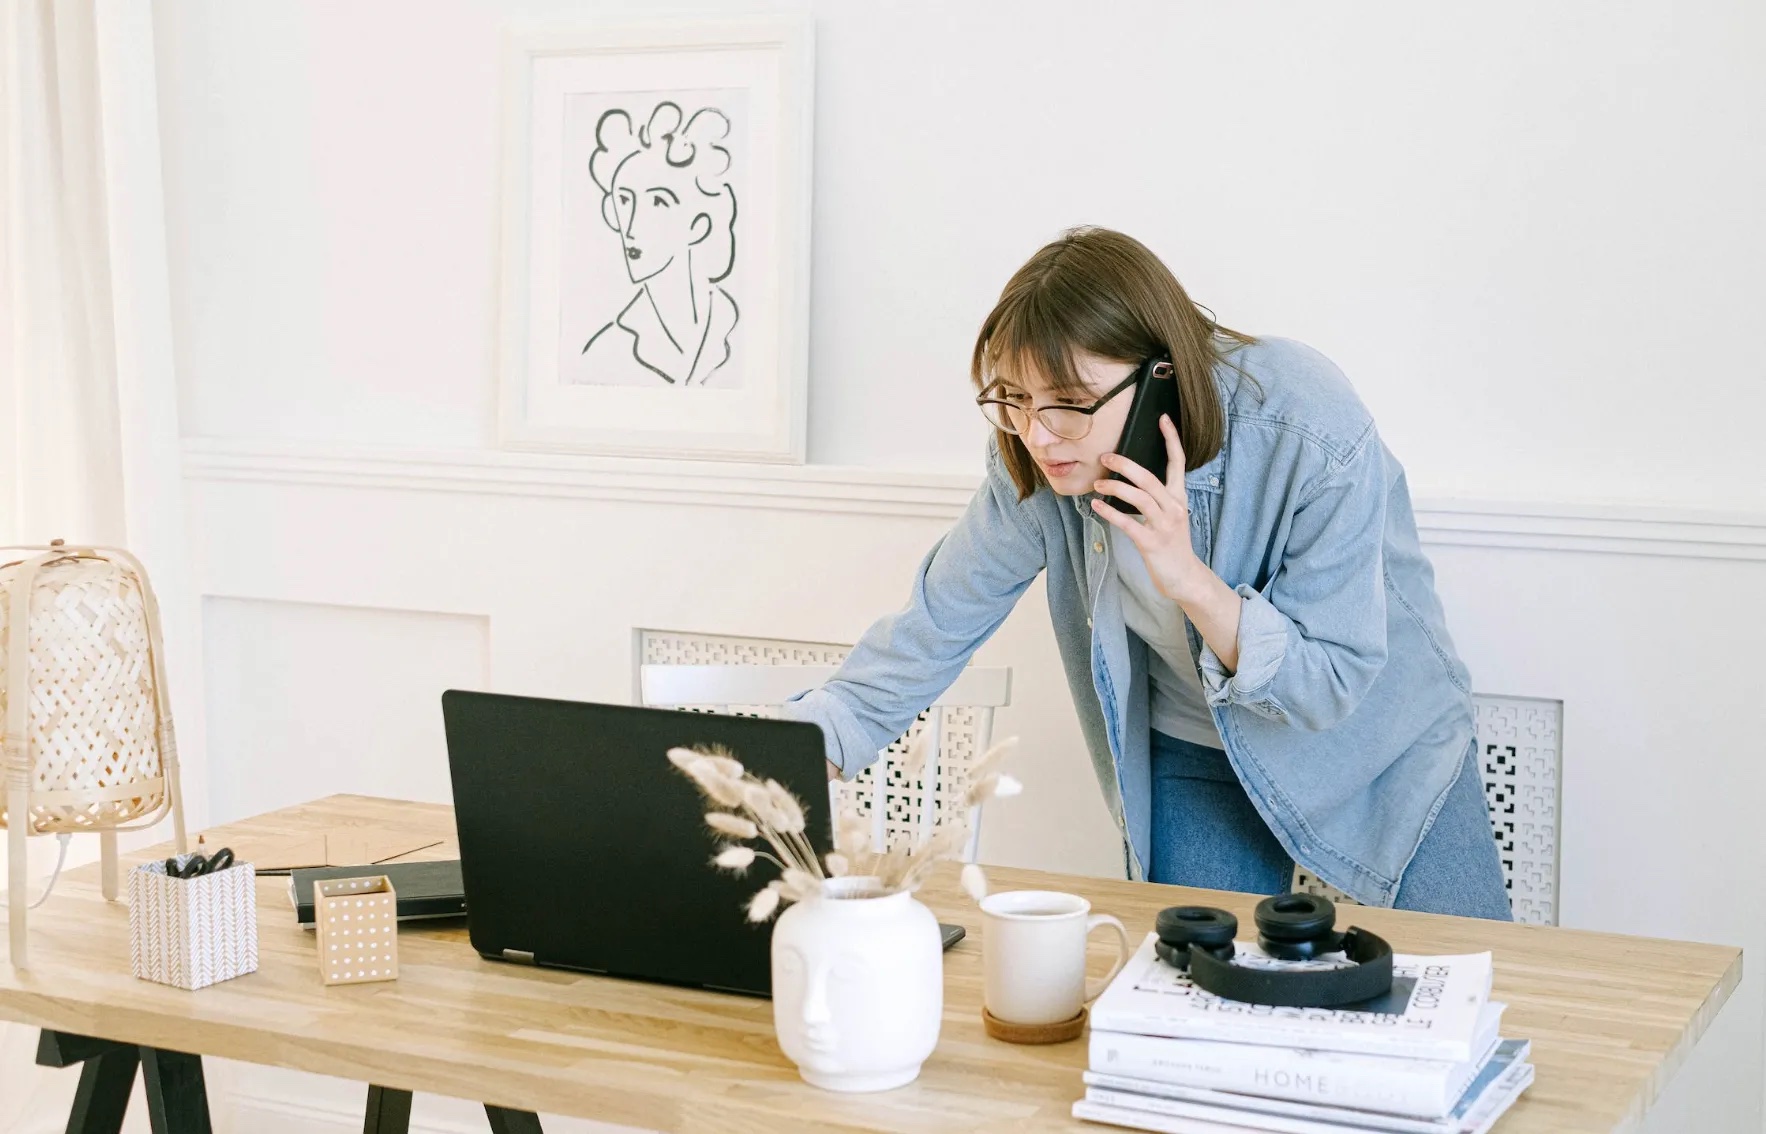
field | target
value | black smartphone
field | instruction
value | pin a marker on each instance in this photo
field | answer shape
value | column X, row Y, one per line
column 951, row 934
column 1142, row 442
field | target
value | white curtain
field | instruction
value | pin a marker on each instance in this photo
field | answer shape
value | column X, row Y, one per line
column 61, row 448
column 63, row 458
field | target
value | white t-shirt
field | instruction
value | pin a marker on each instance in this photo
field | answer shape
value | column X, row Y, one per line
column 1176, row 705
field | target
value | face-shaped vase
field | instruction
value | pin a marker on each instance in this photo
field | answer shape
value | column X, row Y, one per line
column 858, row 986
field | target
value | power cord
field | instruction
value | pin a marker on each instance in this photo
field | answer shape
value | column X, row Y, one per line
column 60, row 860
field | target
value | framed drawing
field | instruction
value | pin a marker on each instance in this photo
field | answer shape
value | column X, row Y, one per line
column 655, row 239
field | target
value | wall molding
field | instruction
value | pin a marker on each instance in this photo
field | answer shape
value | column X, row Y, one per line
column 807, row 488
column 1620, row 529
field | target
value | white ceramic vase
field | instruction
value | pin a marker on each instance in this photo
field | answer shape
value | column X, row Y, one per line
column 858, row 986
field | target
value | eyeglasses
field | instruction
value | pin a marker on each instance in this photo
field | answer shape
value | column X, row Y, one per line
column 1070, row 423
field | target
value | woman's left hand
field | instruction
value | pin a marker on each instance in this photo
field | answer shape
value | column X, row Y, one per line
column 1163, row 531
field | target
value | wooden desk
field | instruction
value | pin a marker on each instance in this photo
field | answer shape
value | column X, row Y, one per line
column 1610, row 1017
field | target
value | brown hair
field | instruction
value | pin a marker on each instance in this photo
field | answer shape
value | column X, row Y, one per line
column 1103, row 293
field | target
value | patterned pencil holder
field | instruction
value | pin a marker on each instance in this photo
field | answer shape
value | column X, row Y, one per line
column 193, row 932
column 357, row 923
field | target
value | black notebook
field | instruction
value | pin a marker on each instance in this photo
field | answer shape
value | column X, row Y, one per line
column 425, row 889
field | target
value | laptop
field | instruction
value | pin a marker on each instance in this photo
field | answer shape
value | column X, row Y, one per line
column 583, row 848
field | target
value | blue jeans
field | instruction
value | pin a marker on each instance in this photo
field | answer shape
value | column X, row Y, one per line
column 1206, row 833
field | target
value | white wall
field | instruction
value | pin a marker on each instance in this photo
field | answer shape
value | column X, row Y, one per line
column 1530, row 232
column 1511, row 224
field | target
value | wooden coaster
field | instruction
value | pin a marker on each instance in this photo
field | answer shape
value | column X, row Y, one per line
column 1033, row 1033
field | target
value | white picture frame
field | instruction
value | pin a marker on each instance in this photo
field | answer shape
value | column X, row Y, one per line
column 656, row 210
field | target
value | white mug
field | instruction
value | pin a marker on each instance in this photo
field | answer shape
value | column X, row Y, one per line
column 1033, row 955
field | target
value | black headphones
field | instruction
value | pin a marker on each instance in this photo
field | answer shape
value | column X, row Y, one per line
column 1290, row 927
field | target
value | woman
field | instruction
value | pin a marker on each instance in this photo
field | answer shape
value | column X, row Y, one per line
column 1259, row 659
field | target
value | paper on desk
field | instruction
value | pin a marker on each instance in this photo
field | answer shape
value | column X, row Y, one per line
column 346, row 847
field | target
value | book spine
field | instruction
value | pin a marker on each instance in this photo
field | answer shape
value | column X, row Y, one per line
column 1190, row 1118
column 1147, row 1120
column 1263, row 1030
column 1396, row 1086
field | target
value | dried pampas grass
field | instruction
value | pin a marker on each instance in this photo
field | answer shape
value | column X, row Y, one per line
column 762, row 905
column 733, row 825
column 753, row 808
column 736, row 858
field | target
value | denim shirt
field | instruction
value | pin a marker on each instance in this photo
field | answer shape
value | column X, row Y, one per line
column 1350, row 713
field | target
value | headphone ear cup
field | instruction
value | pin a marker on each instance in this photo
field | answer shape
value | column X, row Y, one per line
column 1178, row 956
column 1292, row 919
column 1206, row 926
column 1297, row 927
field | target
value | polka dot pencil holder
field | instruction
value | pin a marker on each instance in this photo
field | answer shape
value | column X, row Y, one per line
column 193, row 932
column 358, row 929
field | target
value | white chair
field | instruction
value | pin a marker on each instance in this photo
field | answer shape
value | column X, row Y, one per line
column 1520, row 749
column 960, row 720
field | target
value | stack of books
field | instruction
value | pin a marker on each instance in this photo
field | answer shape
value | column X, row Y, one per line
column 1427, row 1058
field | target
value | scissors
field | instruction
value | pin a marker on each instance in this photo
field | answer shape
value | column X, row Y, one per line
column 200, row 864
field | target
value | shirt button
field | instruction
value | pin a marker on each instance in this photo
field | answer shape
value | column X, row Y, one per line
column 1214, row 480
column 1088, row 624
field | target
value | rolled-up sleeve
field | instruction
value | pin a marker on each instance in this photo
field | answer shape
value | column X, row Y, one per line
column 1313, row 640
column 963, row 590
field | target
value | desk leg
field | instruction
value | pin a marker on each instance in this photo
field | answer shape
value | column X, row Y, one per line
column 177, row 1099
column 103, row 1095
column 512, row 1121
column 389, row 1112
column 107, row 1075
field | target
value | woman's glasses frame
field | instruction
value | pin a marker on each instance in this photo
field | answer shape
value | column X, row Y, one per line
column 1001, row 418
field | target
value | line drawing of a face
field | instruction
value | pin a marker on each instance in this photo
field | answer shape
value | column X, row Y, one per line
column 655, row 224
column 665, row 189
